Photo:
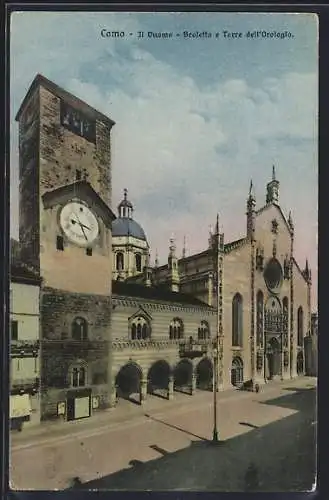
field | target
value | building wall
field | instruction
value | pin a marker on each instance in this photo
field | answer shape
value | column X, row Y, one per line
column 60, row 351
column 29, row 131
column 300, row 300
column 62, row 152
column 263, row 232
column 236, row 279
column 25, row 357
column 63, row 269
column 159, row 316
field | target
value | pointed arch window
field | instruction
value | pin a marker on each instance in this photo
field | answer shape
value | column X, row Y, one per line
column 237, row 320
column 140, row 329
column 119, row 261
column 176, row 329
column 138, row 262
column 300, row 326
column 79, row 329
column 260, row 318
column 204, row 331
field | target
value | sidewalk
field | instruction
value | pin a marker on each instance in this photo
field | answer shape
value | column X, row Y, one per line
column 126, row 411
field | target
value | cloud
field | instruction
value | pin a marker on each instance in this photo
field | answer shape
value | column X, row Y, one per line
column 184, row 150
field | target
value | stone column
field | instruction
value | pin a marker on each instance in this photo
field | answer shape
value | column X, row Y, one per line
column 143, row 391
column 170, row 394
column 113, row 395
column 193, row 384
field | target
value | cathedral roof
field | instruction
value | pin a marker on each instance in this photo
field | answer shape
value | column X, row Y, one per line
column 160, row 294
column 124, row 226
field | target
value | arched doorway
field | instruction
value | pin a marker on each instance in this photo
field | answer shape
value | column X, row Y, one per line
column 204, row 374
column 183, row 375
column 237, row 371
column 300, row 363
column 274, row 326
column 158, row 377
column 128, row 381
column 273, row 353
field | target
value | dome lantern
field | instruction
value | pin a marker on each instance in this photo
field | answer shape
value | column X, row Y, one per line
column 125, row 207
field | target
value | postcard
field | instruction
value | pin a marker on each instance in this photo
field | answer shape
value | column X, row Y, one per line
column 163, row 263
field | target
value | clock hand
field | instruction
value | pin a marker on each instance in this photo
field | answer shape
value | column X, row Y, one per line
column 82, row 229
column 80, row 224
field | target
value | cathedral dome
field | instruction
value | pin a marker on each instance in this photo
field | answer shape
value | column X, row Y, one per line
column 125, row 225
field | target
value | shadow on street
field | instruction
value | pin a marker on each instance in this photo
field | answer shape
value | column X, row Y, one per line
column 175, row 427
column 280, row 456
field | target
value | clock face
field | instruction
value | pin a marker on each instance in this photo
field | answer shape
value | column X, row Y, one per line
column 79, row 223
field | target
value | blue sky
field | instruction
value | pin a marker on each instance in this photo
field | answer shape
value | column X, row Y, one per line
column 195, row 119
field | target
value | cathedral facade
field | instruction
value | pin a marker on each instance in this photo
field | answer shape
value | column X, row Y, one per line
column 111, row 325
column 263, row 297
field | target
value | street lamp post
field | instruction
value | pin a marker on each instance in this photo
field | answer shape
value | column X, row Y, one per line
column 217, row 246
column 215, row 386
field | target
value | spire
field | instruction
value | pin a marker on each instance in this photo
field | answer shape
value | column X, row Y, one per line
column 251, row 190
column 217, row 225
column 211, row 235
column 173, row 272
column 251, row 212
column 290, row 221
column 307, row 272
column 251, row 202
column 156, row 262
column 272, row 195
column 184, row 248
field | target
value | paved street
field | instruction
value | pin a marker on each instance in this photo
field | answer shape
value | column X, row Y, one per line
column 166, row 446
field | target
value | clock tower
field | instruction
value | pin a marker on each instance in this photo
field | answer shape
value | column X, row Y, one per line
column 65, row 235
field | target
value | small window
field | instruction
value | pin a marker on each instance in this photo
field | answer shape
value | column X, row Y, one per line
column 78, row 377
column 60, row 243
column 138, row 260
column 79, row 329
column 89, row 251
column 14, row 330
column 119, row 261
column 82, row 377
column 78, row 175
column 75, row 377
